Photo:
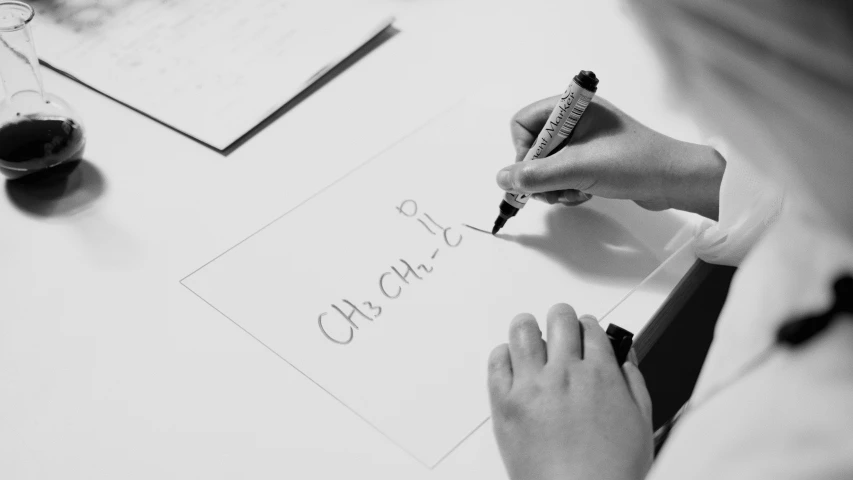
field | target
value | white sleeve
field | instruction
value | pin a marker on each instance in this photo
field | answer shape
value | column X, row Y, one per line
column 749, row 203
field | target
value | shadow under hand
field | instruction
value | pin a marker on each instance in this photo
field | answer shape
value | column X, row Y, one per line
column 592, row 244
column 59, row 191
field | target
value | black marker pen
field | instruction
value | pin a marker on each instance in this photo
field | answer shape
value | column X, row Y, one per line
column 558, row 127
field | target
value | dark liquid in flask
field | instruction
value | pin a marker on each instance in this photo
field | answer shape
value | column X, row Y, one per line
column 36, row 143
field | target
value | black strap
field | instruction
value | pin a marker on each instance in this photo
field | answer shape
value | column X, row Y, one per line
column 797, row 332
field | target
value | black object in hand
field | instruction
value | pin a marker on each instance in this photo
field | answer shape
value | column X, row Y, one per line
column 621, row 340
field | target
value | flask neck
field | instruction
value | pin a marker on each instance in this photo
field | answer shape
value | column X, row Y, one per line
column 19, row 67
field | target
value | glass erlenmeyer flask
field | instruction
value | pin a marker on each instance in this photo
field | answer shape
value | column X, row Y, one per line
column 37, row 130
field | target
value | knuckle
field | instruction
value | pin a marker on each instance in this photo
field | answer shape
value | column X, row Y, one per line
column 516, row 119
column 604, row 373
column 557, row 377
column 520, row 405
column 512, row 409
column 597, row 372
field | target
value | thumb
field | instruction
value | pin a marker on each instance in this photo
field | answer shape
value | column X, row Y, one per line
column 504, row 179
column 637, row 385
column 561, row 171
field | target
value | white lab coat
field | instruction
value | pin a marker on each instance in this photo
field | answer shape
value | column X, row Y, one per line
column 791, row 417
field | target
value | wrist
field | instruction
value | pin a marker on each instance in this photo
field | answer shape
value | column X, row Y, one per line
column 696, row 179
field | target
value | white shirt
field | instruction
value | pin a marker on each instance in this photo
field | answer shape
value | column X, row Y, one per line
column 791, row 417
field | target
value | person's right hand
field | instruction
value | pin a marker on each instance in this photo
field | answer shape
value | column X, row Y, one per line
column 612, row 155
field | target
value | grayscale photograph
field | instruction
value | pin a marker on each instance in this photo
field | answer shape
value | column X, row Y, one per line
column 426, row 239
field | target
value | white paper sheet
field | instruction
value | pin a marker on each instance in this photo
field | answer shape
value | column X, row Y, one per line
column 212, row 70
column 433, row 295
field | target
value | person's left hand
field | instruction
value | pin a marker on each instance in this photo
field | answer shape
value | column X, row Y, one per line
column 565, row 409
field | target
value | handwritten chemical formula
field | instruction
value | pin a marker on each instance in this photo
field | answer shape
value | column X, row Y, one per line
column 393, row 282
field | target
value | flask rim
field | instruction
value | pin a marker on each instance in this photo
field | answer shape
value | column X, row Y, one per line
column 29, row 13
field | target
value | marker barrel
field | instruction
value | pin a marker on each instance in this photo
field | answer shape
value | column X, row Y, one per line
column 557, row 129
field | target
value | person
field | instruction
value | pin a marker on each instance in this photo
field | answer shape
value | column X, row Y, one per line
column 775, row 79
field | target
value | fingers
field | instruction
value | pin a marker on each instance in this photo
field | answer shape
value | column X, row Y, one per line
column 597, row 348
column 527, row 123
column 632, row 357
column 565, row 342
column 569, row 169
column 596, row 345
column 500, row 372
column 602, row 154
column 637, row 385
column 573, row 197
column 569, row 198
column 526, row 348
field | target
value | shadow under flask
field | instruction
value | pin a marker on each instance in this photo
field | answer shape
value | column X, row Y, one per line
column 38, row 130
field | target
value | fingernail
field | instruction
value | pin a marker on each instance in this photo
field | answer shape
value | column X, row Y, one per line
column 504, row 180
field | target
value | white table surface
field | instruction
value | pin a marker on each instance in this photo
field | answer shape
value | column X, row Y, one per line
column 109, row 368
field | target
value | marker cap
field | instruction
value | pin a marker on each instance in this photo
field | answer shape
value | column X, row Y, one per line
column 587, row 80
